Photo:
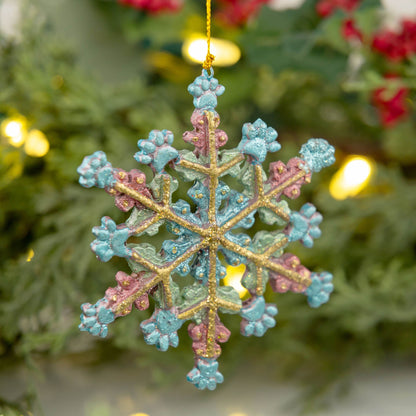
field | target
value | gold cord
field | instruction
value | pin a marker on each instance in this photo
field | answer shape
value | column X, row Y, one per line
column 209, row 58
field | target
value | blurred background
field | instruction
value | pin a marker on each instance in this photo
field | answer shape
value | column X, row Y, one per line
column 81, row 75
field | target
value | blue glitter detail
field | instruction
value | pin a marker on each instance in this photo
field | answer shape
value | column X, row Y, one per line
column 95, row 170
column 110, row 240
column 305, row 225
column 258, row 139
column 156, row 150
column 319, row 290
column 200, row 269
column 95, row 318
column 318, row 154
column 161, row 329
column 205, row 90
column 205, row 374
column 257, row 317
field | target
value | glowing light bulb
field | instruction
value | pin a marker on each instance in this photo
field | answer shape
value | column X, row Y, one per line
column 30, row 255
column 351, row 178
column 226, row 53
column 15, row 130
column 233, row 278
column 37, row 145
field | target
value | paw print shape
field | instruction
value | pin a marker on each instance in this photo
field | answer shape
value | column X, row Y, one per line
column 319, row 290
column 257, row 317
column 205, row 90
column 95, row 318
column 136, row 180
column 161, row 329
column 258, row 139
column 199, row 137
column 95, row 170
column 205, row 374
column 157, row 151
column 318, row 154
column 304, row 225
column 110, row 240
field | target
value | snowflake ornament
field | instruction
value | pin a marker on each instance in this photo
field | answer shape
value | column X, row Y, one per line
column 205, row 240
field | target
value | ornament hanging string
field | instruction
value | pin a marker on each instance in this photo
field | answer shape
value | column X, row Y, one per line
column 209, row 58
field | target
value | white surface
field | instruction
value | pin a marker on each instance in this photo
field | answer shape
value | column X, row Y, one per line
column 114, row 390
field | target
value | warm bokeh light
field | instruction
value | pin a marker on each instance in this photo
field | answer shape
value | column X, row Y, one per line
column 15, row 130
column 226, row 52
column 233, row 278
column 351, row 178
column 37, row 145
column 139, row 414
column 30, row 255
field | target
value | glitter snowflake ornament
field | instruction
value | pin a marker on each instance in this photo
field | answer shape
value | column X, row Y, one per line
column 206, row 240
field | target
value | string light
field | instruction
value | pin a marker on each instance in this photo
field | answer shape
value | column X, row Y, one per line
column 15, row 130
column 233, row 278
column 37, row 145
column 30, row 255
column 195, row 49
column 351, row 178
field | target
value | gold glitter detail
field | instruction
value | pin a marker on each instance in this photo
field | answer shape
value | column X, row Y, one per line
column 176, row 230
column 126, row 203
column 211, row 237
column 114, row 298
column 222, row 138
column 174, row 250
column 139, row 180
column 122, row 175
column 259, row 281
column 125, row 283
column 195, row 139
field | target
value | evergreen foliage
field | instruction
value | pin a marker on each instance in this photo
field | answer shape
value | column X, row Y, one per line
column 295, row 75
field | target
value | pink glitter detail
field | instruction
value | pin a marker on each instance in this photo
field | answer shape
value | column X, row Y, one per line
column 127, row 286
column 279, row 173
column 282, row 284
column 199, row 137
column 199, row 334
column 136, row 180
